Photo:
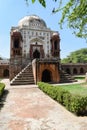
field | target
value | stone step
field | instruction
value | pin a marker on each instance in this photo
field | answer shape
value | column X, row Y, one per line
column 24, row 80
column 22, row 83
column 25, row 77
column 66, row 78
column 27, row 71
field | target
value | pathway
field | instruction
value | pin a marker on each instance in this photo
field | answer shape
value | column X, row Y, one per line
column 28, row 108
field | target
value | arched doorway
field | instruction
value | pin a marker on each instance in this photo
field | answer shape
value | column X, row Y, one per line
column 6, row 73
column 36, row 54
column 68, row 71
column 75, row 71
column 46, row 76
column 81, row 71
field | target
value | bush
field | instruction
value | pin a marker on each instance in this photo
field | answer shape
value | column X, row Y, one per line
column 74, row 103
column 2, row 86
column 78, row 104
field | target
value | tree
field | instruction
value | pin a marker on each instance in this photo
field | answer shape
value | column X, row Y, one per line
column 79, row 56
column 74, row 12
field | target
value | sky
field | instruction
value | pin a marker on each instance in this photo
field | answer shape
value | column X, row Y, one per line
column 11, row 11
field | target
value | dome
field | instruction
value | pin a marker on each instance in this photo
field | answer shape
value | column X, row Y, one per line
column 16, row 30
column 55, row 34
column 32, row 20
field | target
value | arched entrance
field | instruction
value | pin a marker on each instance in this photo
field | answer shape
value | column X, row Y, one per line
column 81, row 71
column 6, row 73
column 46, row 76
column 36, row 54
column 68, row 71
column 75, row 71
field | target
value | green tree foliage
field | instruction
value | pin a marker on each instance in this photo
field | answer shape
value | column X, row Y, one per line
column 79, row 56
column 74, row 12
column 42, row 2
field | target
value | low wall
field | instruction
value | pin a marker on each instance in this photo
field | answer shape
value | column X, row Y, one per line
column 75, row 69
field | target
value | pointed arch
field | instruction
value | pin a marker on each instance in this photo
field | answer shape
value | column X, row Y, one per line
column 36, row 40
column 75, row 71
column 46, row 76
column 68, row 70
column 81, row 71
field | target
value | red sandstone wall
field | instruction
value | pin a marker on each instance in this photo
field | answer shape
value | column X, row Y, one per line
column 53, row 68
column 2, row 69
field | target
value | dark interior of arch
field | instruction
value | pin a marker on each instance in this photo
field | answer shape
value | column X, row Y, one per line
column 6, row 73
column 75, row 71
column 55, row 45
column 36, row 54
column 16, row 43
column 81, row 71
column 68, row 71
column 46, row 76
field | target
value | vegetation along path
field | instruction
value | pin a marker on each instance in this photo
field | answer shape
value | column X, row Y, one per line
column 28, row 108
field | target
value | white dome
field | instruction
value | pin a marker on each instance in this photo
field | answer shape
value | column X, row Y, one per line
column 32, row 19
column 55, row 34
column 16, row 30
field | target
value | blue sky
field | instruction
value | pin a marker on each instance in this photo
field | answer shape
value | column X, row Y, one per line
column 11, row 11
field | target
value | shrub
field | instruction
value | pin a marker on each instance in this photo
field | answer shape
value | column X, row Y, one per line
column 74, row 103
column 2, row 86
column 78, row 104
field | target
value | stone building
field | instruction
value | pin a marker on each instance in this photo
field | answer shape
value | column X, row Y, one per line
column 4, row 68
column 35, row 55
column 30, row 40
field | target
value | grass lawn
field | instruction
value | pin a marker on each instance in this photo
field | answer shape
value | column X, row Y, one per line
column 72, row 96
column 76, row 89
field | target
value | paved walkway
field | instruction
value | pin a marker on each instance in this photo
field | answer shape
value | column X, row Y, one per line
column 28, row 108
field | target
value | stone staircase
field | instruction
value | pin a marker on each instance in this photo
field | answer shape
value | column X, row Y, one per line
column 66, row 78
column 25, row 77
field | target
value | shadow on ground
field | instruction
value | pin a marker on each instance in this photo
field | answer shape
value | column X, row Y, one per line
column 83, row 114
column 3, row 98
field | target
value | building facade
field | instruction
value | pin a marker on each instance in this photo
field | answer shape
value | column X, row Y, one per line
column 30, row 40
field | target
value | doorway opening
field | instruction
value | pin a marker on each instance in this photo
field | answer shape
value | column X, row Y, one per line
column 6, row 73
column 46, row 76
column 36, row 54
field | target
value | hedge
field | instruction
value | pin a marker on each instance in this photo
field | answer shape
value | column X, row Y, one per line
column 74, row 103
column 2, row 86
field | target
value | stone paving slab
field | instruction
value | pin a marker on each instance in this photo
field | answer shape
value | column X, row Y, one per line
column 28, row 108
